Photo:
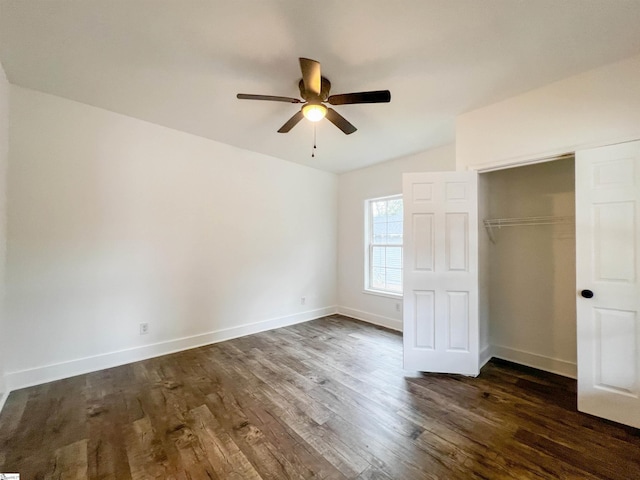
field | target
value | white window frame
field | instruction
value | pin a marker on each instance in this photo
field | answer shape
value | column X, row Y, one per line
column 368, row 248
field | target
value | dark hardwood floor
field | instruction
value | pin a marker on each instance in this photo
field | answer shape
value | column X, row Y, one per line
column 327, row 399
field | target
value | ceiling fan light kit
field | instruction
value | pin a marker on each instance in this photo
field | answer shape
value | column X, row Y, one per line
column 314, row 112
column 314, row 89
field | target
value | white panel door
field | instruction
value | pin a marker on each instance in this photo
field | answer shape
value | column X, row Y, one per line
column 607, row 266
column 440, row 330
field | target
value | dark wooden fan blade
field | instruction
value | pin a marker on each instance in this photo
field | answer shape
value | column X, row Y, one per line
column 377, row 96
column 292, row 122
column 340, row 122
column 311, row 75
column 248, row 96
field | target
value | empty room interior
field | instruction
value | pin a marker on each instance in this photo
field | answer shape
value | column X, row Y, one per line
column 330, row 240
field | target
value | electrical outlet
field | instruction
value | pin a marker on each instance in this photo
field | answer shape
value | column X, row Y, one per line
column 144, row 328
column 303, row 300
column 397, row 306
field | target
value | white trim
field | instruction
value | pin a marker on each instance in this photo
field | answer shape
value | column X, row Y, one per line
column 549, row 155
column 49, row 373
column 3, row 399
column 373, row 318
column 393, row 196
column 380, row 293
column 525, row 162
column 541, row 362
column 485, row 355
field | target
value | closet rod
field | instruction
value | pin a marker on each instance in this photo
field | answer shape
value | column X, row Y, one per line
column 492, row 223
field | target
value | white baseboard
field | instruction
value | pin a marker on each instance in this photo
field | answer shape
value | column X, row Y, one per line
column 373, row 318
column 548, row 364
column 49, row 373
column 485, row 355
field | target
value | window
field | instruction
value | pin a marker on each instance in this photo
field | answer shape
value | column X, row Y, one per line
column 384, row 245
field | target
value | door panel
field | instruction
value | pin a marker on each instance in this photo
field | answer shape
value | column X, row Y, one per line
column 615, row 344
column 424, row 319
column 607, row 229
column 423, row 236
column 613, row 251
column 457, row 242
column 458, row 321
column 441, row 272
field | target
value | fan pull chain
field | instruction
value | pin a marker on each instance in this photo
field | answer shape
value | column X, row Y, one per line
column 313, row 152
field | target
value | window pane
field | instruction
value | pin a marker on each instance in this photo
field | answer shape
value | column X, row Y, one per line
column 394, row 210
column 379, row 233
column 394, row 240
column 393, row 257
column 394, row 228
column 377, row 278
column 394, row 279
column 394, row 233
column 377, row 257
column 379, row 211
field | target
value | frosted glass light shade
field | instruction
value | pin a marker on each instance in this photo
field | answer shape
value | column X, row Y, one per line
column 314, row 112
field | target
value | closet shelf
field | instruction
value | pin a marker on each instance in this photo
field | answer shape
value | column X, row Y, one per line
column 492, row 223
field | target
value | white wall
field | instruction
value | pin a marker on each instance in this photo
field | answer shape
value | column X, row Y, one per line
column 532, row 269
column 599, row 107
column 4, row 149
column 354, row 188
column 113, row 221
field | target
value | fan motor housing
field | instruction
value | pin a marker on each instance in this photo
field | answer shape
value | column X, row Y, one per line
column 325, row 88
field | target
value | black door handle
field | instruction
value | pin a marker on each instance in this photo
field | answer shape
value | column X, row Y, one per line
column 586, row 293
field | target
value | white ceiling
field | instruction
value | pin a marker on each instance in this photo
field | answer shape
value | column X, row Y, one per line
column 180, row 63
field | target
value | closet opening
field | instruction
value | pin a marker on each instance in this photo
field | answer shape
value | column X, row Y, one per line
column 528, row 265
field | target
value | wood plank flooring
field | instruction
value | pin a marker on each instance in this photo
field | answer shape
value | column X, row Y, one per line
column 326, row 399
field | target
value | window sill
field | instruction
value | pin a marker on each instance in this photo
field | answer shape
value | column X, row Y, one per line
column 378, row 293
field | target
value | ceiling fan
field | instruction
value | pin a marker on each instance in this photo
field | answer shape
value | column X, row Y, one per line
column 314, row 89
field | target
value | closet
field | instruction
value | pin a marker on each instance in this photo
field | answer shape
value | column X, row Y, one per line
column 538, row 264
column 530, row 262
